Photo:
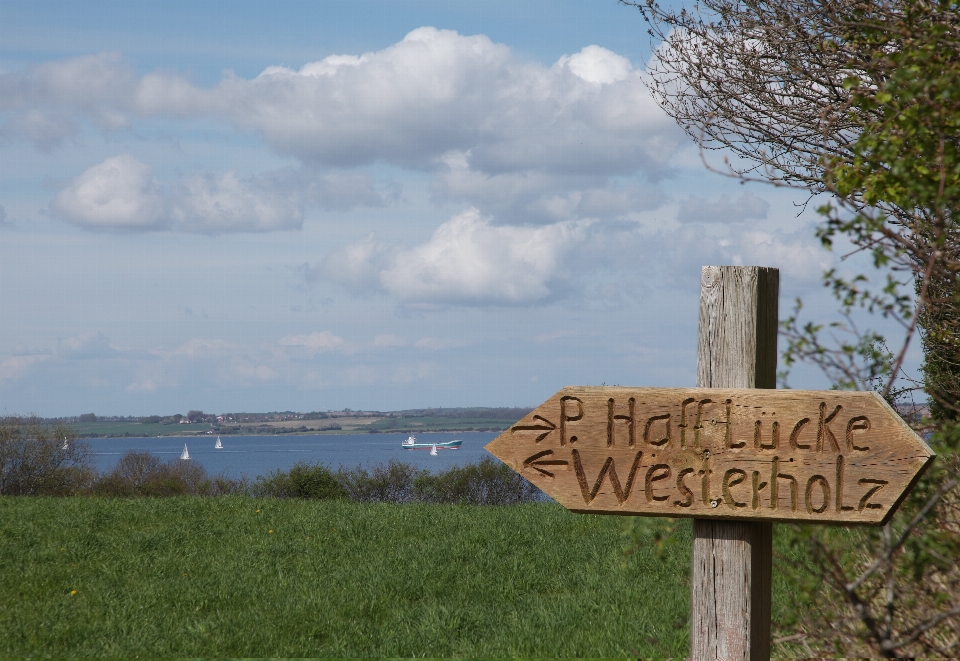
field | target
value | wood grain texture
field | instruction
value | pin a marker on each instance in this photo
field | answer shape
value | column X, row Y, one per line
column 737, row 345
column 732, row 561
column 770, row 455
column 730, row 590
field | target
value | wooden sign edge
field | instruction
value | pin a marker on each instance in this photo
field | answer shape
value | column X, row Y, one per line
column 894, row 507
column 931, row 455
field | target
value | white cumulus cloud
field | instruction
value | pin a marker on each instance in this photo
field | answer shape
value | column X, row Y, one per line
column 226, row 202
column 49, row 102
column 357, row 266
column 468, row 260
column 597, row 65
column 530, row 142
column 408, row 104
column 121, row 193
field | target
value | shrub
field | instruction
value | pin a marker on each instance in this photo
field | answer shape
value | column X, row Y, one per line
column 41, row 460
column 488, row 482
column 141, row 474
column 393, row 483
column 303, row 480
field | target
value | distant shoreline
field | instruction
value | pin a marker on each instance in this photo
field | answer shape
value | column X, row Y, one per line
column 325, row 432
column 342, row 423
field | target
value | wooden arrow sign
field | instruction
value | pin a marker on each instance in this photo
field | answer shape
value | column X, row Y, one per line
column 779, row 455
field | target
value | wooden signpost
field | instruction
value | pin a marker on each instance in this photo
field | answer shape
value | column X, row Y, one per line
column 733, row 453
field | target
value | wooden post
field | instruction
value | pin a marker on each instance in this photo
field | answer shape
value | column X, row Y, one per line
column 730, row 593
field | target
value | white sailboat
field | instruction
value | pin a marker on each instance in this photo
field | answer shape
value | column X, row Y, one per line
column 185, row 455
column 65, row 446
column 433, row 450
column 219, row 445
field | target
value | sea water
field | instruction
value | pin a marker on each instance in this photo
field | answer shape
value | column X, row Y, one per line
column 258, row 455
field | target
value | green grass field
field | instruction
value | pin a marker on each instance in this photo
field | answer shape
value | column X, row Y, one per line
column 241, row 577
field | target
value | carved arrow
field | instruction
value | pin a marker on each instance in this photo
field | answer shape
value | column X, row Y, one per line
column 536, row 461
column 548, row 426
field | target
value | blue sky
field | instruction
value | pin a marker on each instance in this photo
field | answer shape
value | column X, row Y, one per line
column 237, row 206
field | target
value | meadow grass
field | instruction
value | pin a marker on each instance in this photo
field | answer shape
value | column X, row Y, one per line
column 245, row 577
